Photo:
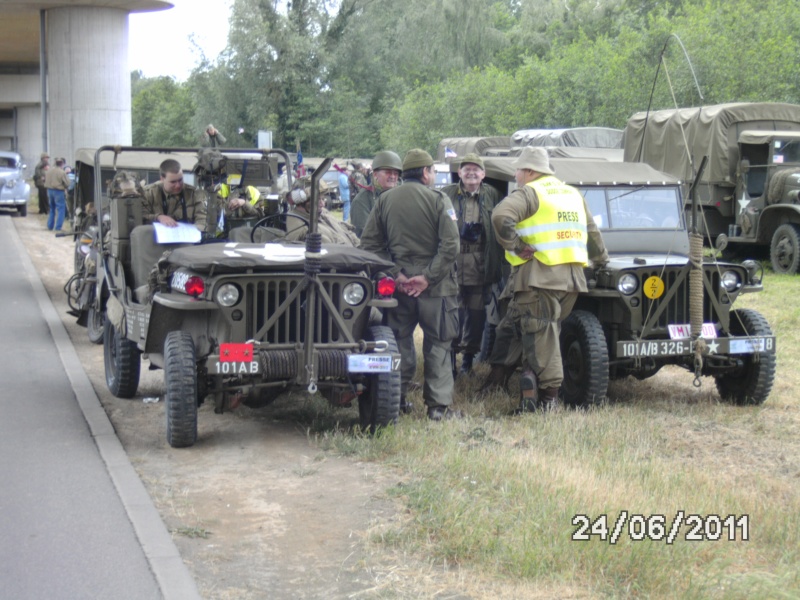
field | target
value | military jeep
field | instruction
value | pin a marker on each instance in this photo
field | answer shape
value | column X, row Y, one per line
column 649, row 307
column 233, row 322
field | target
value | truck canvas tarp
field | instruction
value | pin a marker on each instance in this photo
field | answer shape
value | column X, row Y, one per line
column 464, row 145
column 711, row 131
column 582, row 137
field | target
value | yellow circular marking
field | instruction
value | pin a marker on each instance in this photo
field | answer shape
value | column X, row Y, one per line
column 654, row 287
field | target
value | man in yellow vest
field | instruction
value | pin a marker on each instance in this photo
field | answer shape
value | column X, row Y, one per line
column 549, row 236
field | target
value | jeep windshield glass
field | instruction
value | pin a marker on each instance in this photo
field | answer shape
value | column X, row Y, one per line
column 786, row 152
column 634, row 208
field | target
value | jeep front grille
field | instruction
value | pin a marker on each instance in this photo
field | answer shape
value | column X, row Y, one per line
column 264, row 296
column 673, row 306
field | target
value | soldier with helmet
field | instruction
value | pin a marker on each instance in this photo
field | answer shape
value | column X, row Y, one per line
column 414, row 226
column 386, row 169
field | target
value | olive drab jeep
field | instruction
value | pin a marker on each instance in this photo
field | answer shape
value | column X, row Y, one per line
column 232, row 322
column 649, row 306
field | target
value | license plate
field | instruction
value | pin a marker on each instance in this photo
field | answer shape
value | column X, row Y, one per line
column 654, row 348
column 233, row 367
column 678, row 332
column 752, row 344
column 373, row 363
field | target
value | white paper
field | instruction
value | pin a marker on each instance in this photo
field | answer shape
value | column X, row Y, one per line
column 184, row 233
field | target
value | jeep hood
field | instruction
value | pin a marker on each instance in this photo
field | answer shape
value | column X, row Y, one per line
column 227, row 257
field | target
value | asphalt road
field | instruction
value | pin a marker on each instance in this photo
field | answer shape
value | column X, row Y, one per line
column 75, row 520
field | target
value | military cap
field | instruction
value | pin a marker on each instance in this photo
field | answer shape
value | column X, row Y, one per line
column 416, row 158
column 44, row 155
column 472, row 159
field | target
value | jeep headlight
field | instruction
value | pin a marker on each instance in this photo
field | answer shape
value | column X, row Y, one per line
column 353, row 293
column 628, row 284
column 228, row 294
column 730, row 281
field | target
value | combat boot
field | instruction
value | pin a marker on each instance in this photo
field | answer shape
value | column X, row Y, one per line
column 466, row 364
column 548, row 399
column 497, row 379
column 528, row 393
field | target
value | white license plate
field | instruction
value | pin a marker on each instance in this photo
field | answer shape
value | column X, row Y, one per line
column 679, row 332
column 654, row 348
column 234, row 367
column 373, row 363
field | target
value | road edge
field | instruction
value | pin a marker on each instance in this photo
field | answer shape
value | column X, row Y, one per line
column 173, row 576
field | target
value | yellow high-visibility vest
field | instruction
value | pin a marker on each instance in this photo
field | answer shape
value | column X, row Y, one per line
column 558, row 229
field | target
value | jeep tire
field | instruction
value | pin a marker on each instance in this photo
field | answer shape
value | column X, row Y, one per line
column 379, row 406
column 122, row 362
column 584, row 354
column 752, row 382
column 180, row 383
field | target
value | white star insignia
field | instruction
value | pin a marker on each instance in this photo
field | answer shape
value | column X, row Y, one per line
column 712, row 347
column 743, row 202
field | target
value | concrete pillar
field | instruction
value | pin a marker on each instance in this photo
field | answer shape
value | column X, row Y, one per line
column 88, row 78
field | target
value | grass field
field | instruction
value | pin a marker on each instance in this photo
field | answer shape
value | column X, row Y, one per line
column 497, row 496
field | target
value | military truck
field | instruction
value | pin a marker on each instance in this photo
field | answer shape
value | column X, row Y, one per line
column 638, row 314
column 750, row 191
column 242, row 322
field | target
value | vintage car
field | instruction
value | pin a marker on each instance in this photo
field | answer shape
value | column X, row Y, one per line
column 232, row 321
column 14, row 189
column 650, row 307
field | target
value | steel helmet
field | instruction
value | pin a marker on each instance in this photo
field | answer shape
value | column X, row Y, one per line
column 386, row 159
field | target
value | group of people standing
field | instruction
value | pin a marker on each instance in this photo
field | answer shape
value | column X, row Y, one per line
column 53, row 184
column 448, row 245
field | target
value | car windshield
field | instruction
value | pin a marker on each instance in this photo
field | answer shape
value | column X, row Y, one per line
column 6, row 162
column 634, row 208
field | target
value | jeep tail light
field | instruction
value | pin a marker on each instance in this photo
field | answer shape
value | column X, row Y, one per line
column 386, row 286
column 195, row 286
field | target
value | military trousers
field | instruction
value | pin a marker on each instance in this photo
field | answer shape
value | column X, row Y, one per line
column 438, row 319
column 538, row 314
column 472, row 318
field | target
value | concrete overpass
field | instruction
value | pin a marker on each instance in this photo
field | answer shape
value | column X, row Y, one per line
column 74, row 54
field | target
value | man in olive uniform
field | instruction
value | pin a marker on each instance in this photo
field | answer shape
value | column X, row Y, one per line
column 549, row 236
column 169, row 200
column 478, row 264
column 386, row 169
column 415, row 227
column 332, row 230
column 38, row 180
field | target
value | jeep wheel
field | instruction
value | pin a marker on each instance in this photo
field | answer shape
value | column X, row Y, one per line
column 379, row 406
column 180, row 381
column 752, row 382
column 584, row 355
column 785, row 249
column 122, row 362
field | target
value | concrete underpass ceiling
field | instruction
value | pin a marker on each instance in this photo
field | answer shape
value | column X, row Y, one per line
column 19, row 27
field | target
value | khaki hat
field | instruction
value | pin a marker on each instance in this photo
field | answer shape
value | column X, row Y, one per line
column 534, row 158
column 472, row 159
column 416, row 158
column 44, row 155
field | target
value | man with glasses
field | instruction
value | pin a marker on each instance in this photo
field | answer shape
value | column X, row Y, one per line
column 478, row 263
column 414, row 226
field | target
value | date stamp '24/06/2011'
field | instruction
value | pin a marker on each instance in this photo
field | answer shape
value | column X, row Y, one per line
column 658, row 528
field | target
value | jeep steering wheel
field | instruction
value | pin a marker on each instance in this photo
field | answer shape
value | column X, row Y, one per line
column 275, row 221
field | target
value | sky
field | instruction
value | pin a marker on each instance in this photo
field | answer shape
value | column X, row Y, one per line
column 165, row 42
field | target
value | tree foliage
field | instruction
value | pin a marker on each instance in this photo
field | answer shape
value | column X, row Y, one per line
column 351, row 77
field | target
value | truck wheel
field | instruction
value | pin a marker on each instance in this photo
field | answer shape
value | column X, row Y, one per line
column 584, row 354
column 180, row 379
column 379, row 406
column 752, row 382
column 785, row 249
column 122, row 362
